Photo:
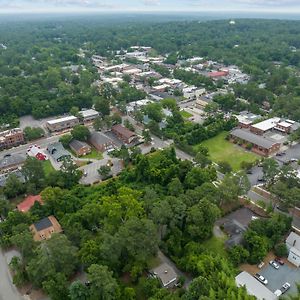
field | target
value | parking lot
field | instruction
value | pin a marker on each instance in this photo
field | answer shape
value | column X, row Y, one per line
column 276, row 278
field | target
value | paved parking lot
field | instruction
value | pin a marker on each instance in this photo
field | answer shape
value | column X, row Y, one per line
column 276, row 278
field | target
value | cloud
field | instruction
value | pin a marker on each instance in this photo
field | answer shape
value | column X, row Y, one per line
column 151, row 2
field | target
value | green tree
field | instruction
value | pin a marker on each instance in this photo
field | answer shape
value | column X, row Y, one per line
column 33, row 133
column 224, row 167
column 66, row 140
column 103, row 286
column 270, row 169
column 33, row 172
column 147, row 136
column 80, row 132
column 13, row 187
column 102, row 105
column 104, row 171
column 78, row 291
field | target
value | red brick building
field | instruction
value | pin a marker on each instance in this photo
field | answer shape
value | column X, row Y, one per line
column 11, row 138
column 124, row 134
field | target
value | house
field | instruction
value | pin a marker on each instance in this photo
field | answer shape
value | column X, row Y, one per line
column 11, row 162
column 57, row 151
column 17, row 173
column 80, row 148
column 254, row 287
column 293, row 246
column 11, row 138
column 124, row 134
column 100, row 141
column 217, row 74
column 62, row 123
column 166, row 274
column 28, row 202
column 89, row 115
column 43, row 229
column 259, row 144
column 264, row 126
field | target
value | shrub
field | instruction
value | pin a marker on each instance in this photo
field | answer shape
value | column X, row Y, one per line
column 280, row 250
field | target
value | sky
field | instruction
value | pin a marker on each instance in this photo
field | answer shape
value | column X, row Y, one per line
column 280, row 6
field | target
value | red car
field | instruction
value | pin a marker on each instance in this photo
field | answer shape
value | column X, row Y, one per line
column 279, row 260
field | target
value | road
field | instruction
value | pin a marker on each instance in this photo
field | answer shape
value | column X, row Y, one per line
column 8, row 290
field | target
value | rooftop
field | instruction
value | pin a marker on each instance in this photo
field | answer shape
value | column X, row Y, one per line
column 165, row 273
column 252, row 138
column 89, row 113
column 99, row 138
column 267, row 124
column 61, row 120
column 125, row 132
column 254, row 287
column 42, row 224
column 11, row 160
column 77, row 145
column 293, row 240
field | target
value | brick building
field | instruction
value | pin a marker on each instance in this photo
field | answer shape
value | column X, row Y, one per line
column 124, row 134
column 62, row 123
column 80, row 148
column 11, row 138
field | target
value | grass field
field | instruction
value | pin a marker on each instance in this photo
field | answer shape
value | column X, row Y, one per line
column 47, row 166
column 222, row 150
column 215, row 245
column 185, row 114
column 94, row 155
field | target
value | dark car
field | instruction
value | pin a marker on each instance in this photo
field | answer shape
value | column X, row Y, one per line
column 279, row 260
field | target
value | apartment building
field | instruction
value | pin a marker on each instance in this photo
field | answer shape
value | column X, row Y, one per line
column 11, row 138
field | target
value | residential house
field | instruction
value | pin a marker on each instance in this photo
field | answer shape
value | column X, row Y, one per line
column 58, row 152
column 11, row 138
column 259, row 144
column 293, row 246
column 80, row 148
column 124, row 134
column 43, row 229
column 100, row 141
column 28, row 202
column 62, row 123
column 166, row 274
column 11, row 162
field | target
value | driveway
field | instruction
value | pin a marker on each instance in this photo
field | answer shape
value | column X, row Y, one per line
column 8, row 290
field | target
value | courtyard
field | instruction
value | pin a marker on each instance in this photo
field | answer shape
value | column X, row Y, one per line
column 222, row 150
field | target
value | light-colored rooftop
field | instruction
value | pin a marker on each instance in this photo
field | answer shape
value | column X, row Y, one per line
column 267, row 124
column 293, row 240
column 254, row 287
column 61, row 120
column 89, row 113
column 166, row 274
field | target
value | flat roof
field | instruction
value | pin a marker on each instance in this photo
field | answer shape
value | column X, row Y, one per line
column 254, row 287
column 165, row 273
column 89, row 113
column 253, row 138
column 284, row 124
column 61, row 120
column 293, row 240
column 267, row 124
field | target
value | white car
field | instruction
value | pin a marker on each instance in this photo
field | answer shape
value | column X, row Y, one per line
column 274, row 264
column 285, row 287
column 261, row 278
column 278, row 293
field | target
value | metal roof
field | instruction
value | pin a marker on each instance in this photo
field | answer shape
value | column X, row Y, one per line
column 253, row 138
column 62, row 120
column 267, row 124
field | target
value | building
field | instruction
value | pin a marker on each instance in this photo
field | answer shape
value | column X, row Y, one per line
column 58, row 152
column 35, row 151
column 246, row 119
column 89, row 115
column 11, row 162
column 80, row 148
column 62, row 123
column 124, row 134
column 285, row 126
column 17, row 173
column 201, row 104
column 28, row 202
column 254, row 287
column 166, row 274
column 43, row 229
column 11, row 138
column 100, row 141
column 217, row 74
column 264, row 126
column 259, row 144
column 293, row 246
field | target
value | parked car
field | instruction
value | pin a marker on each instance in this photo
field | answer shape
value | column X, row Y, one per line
column 285, row 287
column 279, row 260
column 261, row 278
column 293, row 160
column 274, row 264
column 278, row 293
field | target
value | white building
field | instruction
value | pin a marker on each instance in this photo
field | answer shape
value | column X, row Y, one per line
column 89, row 114
column 293, row 246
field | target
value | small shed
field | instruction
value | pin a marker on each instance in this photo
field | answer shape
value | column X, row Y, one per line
column 166, row 274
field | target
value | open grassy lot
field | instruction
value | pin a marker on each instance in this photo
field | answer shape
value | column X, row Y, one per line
column 94, row 155
column 215, row 245
column 222, row 150
column 48, row 168
column 185, row 114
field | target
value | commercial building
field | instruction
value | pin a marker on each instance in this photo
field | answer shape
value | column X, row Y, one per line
column 57, row 151
column 246, row 119
column 11, row 138
column 293, row 246
column 43, row 229
column 259, row 144
column 62, row 123
column 166, row 274
column 28, row 202
column 124, row 134
column 254, row 287
column 264, row 126
column 100, row 141
column 80, row 148
column 89, row 115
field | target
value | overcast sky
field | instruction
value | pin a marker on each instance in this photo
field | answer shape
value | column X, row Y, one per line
column 150, row 5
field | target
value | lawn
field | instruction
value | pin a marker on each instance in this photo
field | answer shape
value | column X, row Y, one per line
column 222, row 150
column 185, row 114
column 215, row 245
column 47, row 166
column 94, row 155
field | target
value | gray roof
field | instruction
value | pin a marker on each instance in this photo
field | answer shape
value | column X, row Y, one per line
column 254, row 287
column 42, row 224
column 293, row 240
column 165, row 273
column 77, row 145
column 57, row 151
column 99, row 138
column 11, row 160
column 252, row 138
column 17, row 173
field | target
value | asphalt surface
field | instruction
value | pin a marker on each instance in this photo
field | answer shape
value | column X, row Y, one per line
column 8, row 290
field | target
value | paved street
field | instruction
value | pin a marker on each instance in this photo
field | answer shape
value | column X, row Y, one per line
column 8, row 290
